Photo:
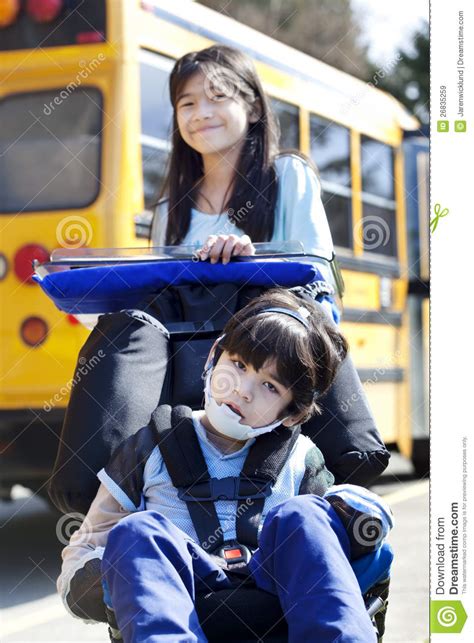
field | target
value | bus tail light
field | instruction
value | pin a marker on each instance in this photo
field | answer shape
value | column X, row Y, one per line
column 8, row 12
column 34, row 331
column 22, row 263
column 44, row 10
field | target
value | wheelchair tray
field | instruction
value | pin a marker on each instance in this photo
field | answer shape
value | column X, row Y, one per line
column 115, row 286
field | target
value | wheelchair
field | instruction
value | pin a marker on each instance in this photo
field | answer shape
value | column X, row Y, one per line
column 166, row 287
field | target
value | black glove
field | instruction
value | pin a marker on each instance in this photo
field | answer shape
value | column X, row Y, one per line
column 86, row 597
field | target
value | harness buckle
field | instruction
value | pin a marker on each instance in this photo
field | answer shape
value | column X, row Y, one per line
column 225, row 488
column 230, row 488
column 234, row 553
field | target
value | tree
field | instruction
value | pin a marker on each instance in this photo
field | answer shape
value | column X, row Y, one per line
column 324, row 29
column 409, row 79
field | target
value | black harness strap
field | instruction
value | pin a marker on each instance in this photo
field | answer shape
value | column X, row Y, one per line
column 184, row 460
column 265, row 460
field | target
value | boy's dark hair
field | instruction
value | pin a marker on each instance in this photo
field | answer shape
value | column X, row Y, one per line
column 306, row 359
column 229, row 70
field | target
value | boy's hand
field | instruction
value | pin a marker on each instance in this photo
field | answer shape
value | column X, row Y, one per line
column 225, row 246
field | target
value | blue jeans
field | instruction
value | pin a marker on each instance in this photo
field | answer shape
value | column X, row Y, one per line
column 154, row 570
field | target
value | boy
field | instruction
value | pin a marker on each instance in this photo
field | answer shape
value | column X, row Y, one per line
column 262, row 378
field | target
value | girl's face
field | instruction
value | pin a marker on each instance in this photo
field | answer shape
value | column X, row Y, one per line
column 258, row 396
column 210, row 122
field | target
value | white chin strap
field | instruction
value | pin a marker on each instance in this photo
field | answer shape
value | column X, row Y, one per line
column 226, row 421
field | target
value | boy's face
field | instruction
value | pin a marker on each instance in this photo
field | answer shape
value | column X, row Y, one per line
column 258, row 396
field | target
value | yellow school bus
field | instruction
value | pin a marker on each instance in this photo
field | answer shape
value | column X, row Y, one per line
column 84, row 139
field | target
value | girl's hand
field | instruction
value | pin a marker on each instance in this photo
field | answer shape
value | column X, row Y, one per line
column 225, row 246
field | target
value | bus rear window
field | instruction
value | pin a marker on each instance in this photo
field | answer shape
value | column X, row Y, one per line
column 74, row 22
column 50, row 150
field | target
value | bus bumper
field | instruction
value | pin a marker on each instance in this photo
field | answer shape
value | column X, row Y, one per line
column 28, row 444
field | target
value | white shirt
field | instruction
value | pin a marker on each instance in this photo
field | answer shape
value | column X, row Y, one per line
column 299, row 213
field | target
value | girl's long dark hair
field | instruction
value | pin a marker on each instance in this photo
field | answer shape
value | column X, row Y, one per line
column 255, row 179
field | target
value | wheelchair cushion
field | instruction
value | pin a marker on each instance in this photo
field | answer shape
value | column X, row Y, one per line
column 358, row 454
column 105, row 406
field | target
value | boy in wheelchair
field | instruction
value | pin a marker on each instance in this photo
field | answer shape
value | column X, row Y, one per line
column 232, row 501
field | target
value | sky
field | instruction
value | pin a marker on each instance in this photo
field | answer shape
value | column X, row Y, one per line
column 388, row 25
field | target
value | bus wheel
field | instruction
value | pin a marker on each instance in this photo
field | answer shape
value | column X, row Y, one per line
column 421, row 457
column 5, row 493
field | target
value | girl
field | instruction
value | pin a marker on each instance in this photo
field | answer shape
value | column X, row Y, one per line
column 226, row 188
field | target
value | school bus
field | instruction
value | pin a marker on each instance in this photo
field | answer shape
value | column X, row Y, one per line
column 84, row 139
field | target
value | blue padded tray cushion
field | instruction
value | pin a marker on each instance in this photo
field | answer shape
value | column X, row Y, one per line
column 105, row 289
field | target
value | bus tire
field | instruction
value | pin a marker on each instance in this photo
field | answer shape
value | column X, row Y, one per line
column 421, row 457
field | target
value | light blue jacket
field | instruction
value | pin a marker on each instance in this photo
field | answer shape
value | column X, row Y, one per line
column 299, row 213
